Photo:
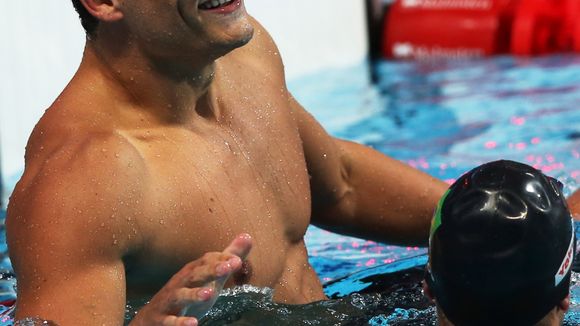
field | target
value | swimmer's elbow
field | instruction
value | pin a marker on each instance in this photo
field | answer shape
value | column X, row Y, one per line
column 339, row 202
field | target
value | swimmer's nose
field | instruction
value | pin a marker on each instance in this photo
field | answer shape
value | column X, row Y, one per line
column 240, row 246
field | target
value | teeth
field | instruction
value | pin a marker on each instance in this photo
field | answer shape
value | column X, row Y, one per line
column 212, row 4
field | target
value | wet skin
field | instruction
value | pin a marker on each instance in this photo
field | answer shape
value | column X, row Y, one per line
column 170, row 141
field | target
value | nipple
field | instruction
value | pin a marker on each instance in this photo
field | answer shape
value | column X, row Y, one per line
column 244, row 274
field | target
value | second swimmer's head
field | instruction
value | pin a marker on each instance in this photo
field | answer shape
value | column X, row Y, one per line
column 501, row 248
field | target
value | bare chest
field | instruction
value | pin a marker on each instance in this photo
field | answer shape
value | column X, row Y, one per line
column 204, row 190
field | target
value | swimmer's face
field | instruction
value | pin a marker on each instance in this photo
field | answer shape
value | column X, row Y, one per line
column 183, row 27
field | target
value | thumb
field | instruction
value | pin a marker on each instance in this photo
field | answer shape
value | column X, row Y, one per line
column 240, row 246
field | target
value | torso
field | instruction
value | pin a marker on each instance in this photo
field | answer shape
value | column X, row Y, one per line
column 244, row 172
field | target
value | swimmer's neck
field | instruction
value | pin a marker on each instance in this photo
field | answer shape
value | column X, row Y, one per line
column 167, row 91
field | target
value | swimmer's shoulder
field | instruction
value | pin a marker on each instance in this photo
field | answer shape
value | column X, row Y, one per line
column 73, row 217
column 73, row 150
column 78, row 187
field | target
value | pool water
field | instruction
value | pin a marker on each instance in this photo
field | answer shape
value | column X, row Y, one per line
column 445, row 118
column 441, row 117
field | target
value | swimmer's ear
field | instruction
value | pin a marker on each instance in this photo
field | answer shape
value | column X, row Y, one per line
column 427, row 291
column 104, row 10
column 564, row 305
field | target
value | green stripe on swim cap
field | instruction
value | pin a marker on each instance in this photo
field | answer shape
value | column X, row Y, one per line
column 436, row 221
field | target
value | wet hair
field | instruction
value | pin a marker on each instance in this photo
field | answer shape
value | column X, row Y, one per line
column 88, row 21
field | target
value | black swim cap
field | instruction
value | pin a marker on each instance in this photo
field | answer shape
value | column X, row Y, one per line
column 501, row 246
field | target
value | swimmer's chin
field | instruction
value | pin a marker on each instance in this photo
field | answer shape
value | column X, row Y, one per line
column 234, row 42
column 250, row 34
column 246, row 35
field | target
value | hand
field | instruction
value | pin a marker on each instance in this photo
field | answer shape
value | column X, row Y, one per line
column 574, row 204
column 192, row 291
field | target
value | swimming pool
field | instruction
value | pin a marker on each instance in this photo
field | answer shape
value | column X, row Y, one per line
column 443, row 118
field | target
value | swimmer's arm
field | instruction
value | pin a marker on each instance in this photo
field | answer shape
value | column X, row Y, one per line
column 66, row 237
column 355, row 190
column 62, row 277
column 360, row 192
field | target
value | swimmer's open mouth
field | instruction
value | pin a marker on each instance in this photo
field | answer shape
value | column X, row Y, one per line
column 214, row 4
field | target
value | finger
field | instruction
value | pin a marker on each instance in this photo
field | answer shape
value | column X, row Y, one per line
column 179, row 321
column 240, row 246
column 186, row 296
column 197, row 302
column 211, row 271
